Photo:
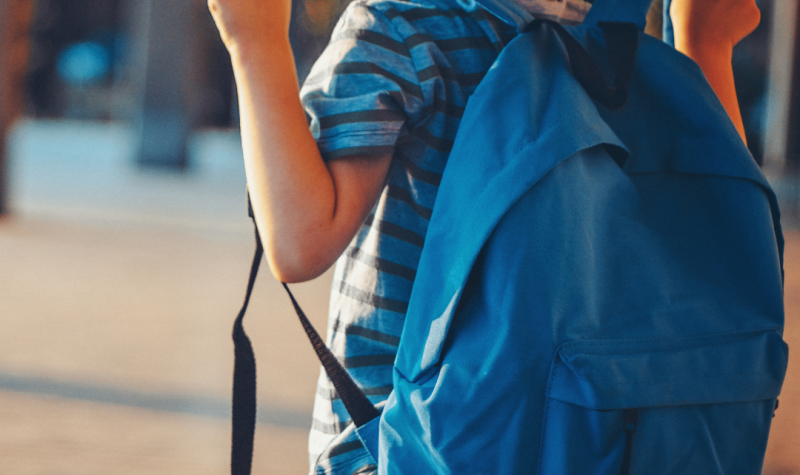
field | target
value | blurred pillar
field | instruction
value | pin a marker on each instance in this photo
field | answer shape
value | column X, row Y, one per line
column 15, row 18
column 782, row 123
column 163, row 36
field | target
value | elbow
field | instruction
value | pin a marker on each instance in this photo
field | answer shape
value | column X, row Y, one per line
column 294, row 264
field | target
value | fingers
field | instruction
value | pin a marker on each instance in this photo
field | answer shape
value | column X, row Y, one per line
column 248, row 21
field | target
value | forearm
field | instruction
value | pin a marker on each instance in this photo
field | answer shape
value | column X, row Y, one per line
column 707, row 31
column 716, row 65
column 292, row 190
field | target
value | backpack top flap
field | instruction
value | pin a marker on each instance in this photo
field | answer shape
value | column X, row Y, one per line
column 550, row 117
column 528, row 115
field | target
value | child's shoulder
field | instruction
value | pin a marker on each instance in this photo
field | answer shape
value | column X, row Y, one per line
column 435, row 18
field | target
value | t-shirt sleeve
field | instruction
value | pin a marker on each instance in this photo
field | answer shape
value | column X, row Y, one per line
column 363, row 89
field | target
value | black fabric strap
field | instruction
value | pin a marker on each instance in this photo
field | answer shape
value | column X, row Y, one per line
column 631, row 421
column 355, row 401
column 622, row 41
column 244, row 382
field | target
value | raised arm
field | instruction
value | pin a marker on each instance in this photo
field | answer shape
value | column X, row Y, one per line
column 307, row 211
column 707, row 31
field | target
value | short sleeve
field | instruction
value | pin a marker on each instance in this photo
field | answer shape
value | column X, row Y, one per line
column 364, row 87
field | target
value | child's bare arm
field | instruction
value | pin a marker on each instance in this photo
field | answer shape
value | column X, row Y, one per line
column 706, row 31
column 307, row 211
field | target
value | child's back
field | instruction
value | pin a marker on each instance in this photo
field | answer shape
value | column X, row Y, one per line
column 394, row 80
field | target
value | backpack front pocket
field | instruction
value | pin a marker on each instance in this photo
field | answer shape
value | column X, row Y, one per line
column 689, row 406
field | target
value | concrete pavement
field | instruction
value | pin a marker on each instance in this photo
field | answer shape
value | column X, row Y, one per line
column 117, row 296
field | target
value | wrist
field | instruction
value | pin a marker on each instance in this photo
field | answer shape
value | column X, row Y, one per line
column 706, row 53
column 254, row 47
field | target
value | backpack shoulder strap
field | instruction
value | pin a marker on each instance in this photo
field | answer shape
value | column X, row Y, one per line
column 622, row 40
column 622, row 11
column 520, row 14
column 355, row 401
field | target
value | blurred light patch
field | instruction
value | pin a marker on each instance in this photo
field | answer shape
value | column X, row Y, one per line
column 83, row 63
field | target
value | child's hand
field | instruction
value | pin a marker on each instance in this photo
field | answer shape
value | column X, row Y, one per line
column 245, row 21
column 707, row 31
column 713, row 24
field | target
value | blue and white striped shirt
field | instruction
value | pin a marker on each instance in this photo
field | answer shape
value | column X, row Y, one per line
column 394, row 79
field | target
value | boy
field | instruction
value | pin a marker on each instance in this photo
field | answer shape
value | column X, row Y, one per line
column 385, row 100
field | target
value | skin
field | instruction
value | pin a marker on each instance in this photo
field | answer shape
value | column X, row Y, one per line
column 308, row 210
column 710, row 42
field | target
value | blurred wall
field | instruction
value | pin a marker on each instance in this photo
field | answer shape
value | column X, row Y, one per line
column 158, row 65
column 15, row 18
column 780, row 118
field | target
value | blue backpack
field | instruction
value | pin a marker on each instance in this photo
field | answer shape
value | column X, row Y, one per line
column 600, row 290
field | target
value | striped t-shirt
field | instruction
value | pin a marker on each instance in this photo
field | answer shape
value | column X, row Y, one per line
column 395, row 78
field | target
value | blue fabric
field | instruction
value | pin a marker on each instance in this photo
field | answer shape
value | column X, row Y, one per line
column 557, row 288
column 509, row 11
column 633, row 11
column 668, row 372
column 368, row 434
column 667, row 33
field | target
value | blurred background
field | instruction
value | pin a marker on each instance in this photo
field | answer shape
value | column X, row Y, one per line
column 125, row 244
